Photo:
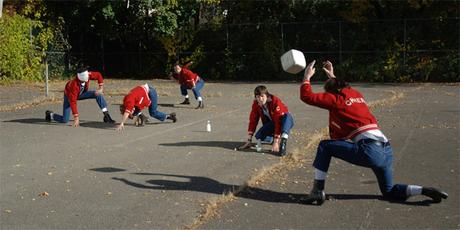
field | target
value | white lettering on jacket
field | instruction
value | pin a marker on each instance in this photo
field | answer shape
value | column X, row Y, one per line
column 350, row 101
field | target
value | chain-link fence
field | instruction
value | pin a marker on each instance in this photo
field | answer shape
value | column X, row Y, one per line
column 383, row 51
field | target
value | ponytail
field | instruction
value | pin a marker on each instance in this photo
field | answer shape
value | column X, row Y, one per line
column 334, row 85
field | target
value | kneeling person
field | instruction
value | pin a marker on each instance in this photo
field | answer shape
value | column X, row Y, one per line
column 77, row 89
column 276, row 120
column 137, row 99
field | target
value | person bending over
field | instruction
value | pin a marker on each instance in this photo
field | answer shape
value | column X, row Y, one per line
column 137, row 99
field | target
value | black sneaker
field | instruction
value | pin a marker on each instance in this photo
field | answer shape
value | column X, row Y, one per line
column 172, row 117
column 200, row 105
column 141, row 120
column 435, row 194
column 108, row 119
column 185, row 102
column 283, row 144
column 48, row 115
column 316, row 196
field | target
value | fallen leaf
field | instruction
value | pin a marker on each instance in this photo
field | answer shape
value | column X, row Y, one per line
column 44, row 194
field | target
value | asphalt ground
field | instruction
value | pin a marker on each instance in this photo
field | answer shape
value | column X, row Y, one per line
column 176, row 175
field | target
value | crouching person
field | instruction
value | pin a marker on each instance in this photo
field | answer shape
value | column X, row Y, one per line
column 189, row 80
column 137, row 99
column 276, row 121
column 77, row 89
column 355, row 138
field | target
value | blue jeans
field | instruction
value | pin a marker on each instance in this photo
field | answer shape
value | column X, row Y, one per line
column 153, row 106
column 85, row 95
column 267, row 129
column 368, row 153
column 196, row 90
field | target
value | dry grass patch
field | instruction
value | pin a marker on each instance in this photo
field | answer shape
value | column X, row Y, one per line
column 35, row 102
column 211, row 209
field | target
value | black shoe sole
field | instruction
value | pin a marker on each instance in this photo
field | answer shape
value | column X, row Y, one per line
column 48, row 115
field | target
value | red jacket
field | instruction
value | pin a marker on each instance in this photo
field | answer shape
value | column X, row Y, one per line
column 348, row 112
column 187, row 77
column 72, row 89
column 275, row 107
column 138, row 98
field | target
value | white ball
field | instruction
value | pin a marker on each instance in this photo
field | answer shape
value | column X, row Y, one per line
column 293, row 61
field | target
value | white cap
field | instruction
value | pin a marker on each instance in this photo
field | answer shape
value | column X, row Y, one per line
column 83, row 76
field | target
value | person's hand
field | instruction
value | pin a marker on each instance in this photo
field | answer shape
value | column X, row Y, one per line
column 309, row 71
column 276, row 145
column 120, row 127
column 246, row 145
column 329, row 69
column 76, row 122
column 99, row 91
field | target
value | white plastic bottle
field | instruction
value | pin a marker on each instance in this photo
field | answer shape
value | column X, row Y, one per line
column 259, row 145
column 208, row 126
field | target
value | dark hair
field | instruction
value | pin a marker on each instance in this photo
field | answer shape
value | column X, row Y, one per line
column 261, row 89
column 82, row 69
column 334, row 85
column 122, row 109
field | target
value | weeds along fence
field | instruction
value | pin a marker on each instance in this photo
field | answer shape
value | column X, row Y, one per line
column 396, row 50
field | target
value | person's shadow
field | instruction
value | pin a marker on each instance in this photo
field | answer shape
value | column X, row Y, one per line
column 83, row 123
column 208, row 185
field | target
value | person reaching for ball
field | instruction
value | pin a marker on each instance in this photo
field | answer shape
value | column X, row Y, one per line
column 355, row 138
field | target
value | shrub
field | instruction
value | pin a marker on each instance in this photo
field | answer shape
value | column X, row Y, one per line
column 21, row 52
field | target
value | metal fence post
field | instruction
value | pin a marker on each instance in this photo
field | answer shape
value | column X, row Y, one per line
column 340, row 42
column 282, row 38
column 404, row 46
column 46, row 77
column 1, row 8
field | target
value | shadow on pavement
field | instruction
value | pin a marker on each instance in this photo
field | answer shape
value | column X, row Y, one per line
column 232, row 145
column 222, row 144
column 97, row 125
column 166, row 105
column 208, row 185
column 41, row 121
column 191, row 106
column 108, row 169
column 375, row 197
column 38, row 121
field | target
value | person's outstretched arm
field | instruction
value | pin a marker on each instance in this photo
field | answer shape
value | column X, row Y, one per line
column 322, row 100
column 121, row 126
column 328, row 69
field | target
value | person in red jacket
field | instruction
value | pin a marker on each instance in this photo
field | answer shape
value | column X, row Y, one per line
column 77, row 89
column 355, row 138
column 189, row 80
column 137, row 99
column 276, row 121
